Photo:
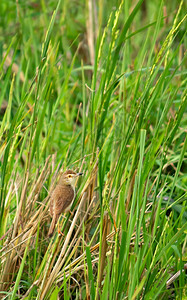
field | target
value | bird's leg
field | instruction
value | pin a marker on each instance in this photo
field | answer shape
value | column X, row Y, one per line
column 59, row 231
column 71, row 213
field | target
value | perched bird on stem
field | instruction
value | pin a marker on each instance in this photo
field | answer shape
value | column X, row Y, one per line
column 62, row 197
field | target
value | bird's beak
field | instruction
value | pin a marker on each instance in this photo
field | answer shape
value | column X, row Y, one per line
column 79, row 174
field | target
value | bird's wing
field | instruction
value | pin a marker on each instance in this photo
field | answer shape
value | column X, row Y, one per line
column 63, row 198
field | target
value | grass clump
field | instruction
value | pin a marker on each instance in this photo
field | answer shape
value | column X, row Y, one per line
column 103, row 92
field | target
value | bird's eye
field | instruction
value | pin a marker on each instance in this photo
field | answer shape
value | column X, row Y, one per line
column 69, row 176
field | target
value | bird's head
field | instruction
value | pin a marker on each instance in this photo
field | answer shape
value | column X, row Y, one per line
column 69, row 177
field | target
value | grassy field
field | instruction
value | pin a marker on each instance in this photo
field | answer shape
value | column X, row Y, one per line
column 97, row 87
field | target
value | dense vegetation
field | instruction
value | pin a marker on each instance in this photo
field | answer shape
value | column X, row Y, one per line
column 99, row 87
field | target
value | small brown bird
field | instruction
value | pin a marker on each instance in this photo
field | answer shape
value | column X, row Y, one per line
column 62, row 197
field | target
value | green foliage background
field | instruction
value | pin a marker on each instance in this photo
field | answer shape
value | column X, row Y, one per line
column 98, row 86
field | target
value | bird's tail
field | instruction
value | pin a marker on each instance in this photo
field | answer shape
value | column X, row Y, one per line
column 52, row 227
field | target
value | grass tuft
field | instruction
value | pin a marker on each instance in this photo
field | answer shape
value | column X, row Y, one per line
column 99, row 88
